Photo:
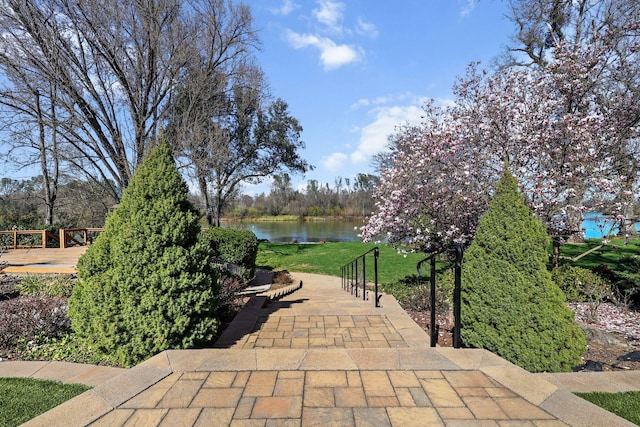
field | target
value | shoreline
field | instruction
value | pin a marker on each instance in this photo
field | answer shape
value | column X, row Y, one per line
column 292, row 218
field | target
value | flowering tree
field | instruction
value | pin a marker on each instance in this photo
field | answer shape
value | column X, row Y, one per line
column 546, row 123
column 433, row 192
column 564, row 149
column 606, row 35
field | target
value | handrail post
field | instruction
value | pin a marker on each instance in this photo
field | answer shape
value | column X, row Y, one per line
column 376, row 254
column 457, row 295
column 351, row 279
column 364, row 278
column 356, row 275
column 433, row 329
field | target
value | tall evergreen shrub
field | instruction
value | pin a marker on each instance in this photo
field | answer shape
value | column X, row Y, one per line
column 510, row 304
column 146, row 283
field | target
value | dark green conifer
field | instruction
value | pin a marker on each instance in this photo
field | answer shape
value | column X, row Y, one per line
column 510, row 304
column 146, row 285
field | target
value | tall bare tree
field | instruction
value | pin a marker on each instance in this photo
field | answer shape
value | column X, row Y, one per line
column 27, row 110
column 229, row 129
column 113, row 65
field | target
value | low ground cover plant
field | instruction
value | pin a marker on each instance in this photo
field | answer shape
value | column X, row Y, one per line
column 29, row 318
column 55, row 285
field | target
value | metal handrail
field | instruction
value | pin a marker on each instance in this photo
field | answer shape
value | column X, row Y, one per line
column 455, row 256
column 350, row 275
column 433, row 327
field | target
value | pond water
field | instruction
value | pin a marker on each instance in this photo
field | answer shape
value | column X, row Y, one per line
column 347, row 231
column 302, row 231
column 597, row 225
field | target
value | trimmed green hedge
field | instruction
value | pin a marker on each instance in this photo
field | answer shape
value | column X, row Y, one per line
column 510, row 304
column 235, row 250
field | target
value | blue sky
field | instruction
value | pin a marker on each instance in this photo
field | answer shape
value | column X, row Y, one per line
column 352, row 70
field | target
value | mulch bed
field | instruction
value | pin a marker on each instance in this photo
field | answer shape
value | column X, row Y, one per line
column 615, row 348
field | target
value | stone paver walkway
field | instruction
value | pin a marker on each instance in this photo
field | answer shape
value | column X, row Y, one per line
column 322, row 357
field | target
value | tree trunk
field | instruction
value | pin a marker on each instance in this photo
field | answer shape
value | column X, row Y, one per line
column 202, row 184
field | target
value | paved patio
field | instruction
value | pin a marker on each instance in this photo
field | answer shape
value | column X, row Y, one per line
column 320, row 356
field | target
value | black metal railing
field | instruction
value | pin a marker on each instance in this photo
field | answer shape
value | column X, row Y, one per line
column 354, row 274
column 455, row 256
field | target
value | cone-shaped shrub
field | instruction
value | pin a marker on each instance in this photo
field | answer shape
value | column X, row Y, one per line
column 510, row 304
column 146, row 284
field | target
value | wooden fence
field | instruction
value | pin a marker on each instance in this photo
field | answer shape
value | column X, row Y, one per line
column 24, row 239
column 77, row 236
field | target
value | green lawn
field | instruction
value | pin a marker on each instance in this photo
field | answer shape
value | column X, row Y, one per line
column 327, row 259
column 625, row 405
column 22, row 399
column 611, row 254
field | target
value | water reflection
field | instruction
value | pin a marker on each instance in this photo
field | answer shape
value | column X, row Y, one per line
column 302, row 231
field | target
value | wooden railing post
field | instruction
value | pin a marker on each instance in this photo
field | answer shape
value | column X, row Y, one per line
column 63, row 242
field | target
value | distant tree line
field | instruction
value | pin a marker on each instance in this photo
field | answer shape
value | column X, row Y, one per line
column 344, row 198
column 83, row 203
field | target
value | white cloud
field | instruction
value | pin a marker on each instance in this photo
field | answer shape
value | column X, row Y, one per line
column 332, row 55
column 366, row 102
column 366, row 28
column 330, row 13
column 401, row 98
column 285, row 8
column 445, row 102
column 373, row 137
column 334, row 161
column 468, row 7
column 256, row 189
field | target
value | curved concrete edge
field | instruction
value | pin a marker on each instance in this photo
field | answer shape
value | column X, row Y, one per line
column 585, row 382
column 97, row 402
column 560, row 403
column 72, row 373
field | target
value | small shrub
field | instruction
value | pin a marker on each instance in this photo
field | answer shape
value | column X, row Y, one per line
column 235, row 250
column 627, row 278
column 46, row 286
column 30, row 317
column 583, row 285
column 229, row 301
